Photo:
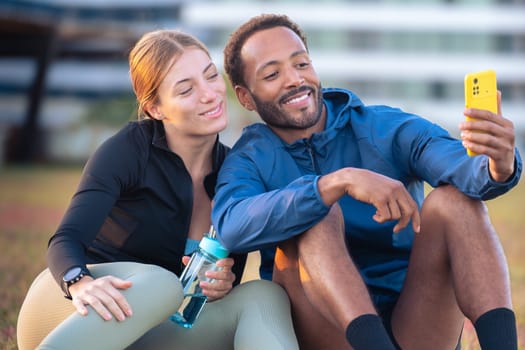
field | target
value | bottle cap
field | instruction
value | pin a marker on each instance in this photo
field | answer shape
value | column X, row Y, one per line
column 213, row 247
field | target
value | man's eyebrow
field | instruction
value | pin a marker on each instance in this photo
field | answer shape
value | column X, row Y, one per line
column 298, row 53
column 270, row 63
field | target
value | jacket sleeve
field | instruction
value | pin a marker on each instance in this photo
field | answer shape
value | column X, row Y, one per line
column 441, row 159
column 248, row 216
column 108, row 171
column 412, row 149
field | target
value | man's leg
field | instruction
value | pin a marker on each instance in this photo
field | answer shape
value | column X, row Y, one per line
column 457, row 267
column 313, row 330
column 329, row 298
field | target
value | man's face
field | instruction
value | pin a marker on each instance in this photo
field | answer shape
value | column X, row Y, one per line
column 283, row 86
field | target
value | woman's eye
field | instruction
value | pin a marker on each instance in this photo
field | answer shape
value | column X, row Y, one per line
column 186, row 91
column 213, row 76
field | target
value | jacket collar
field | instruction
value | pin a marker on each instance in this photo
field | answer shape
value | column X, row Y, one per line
column 219, row 153
column 159, row 135
column 338, row 104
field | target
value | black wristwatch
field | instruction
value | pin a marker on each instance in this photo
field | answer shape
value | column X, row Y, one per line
column 72, row 276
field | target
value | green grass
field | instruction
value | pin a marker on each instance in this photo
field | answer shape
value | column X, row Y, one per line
column 33, row 200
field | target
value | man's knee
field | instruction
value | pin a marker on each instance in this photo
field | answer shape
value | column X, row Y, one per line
column 289, row 251
column 334, row 218
column 447, row 203
column 326, row 238
column 330, row 227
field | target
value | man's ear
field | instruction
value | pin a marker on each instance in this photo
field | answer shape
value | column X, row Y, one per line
column 244, row 97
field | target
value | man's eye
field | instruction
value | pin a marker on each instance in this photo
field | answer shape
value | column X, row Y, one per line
column 270, row 76
column 304, row 64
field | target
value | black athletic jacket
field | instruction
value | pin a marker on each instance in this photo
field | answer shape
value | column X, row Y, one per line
column 134, row 203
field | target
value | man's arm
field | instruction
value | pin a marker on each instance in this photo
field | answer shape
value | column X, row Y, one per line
column 493, row 135
column 248, row 216
column 388, row 196
column 426, row 151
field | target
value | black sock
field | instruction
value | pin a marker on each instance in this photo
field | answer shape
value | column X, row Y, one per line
column 367, row 332
column 496, row 329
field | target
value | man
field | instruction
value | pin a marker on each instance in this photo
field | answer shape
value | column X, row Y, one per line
column 338, row 186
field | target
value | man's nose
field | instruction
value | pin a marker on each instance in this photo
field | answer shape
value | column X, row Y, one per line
column 294, row 78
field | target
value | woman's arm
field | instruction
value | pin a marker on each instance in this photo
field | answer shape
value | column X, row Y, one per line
column 108, row 172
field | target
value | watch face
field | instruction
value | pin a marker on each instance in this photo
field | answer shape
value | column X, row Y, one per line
column 72, row 273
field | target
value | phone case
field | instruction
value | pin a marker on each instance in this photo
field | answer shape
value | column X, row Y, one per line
column 481, row 93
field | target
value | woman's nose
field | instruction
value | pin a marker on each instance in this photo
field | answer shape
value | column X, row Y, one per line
column 208, row 94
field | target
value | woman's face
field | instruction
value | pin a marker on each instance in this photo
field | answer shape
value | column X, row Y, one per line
column 192, row 96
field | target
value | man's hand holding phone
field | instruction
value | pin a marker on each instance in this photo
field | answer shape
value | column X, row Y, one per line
column 485, row 130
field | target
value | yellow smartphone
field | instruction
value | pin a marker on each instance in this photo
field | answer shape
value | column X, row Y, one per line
column 481, row 92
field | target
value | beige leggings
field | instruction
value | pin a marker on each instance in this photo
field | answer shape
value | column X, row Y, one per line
column 254, row 315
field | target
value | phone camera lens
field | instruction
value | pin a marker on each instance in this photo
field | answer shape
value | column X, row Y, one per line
column 475, row 80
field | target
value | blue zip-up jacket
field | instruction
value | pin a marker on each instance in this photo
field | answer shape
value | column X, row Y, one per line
column 267, row 189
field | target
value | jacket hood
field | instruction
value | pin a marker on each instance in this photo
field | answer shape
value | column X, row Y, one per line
column 337, row 102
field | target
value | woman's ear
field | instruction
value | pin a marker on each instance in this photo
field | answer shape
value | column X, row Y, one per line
column 154, row 111
column 244, row 97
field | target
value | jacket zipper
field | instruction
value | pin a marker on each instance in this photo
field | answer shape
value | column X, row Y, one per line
column 311, row 152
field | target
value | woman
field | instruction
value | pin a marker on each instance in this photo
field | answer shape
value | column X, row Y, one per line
column 143, row 203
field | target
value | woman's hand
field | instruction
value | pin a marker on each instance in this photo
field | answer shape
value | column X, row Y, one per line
column 223, row 279
column 103, row 295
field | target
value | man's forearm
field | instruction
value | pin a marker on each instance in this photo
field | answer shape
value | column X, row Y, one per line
column 332, row 186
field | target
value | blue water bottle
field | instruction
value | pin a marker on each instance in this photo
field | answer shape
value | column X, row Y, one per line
column 204, row 259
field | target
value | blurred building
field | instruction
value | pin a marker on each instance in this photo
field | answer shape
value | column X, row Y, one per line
column 57, row 59
column 410, row 54
column 60, row 58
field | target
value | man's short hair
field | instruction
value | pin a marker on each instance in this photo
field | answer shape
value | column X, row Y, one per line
column 233, row 64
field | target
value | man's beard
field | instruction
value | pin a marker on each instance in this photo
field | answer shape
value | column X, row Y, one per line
column 273, row 115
